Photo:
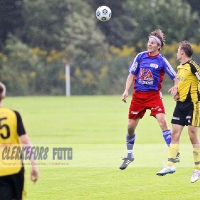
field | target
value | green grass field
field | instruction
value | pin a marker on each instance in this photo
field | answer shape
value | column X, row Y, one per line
column 95, row 127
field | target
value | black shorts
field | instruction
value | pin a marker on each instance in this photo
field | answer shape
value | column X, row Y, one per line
column 11, row 186
column 186, row 113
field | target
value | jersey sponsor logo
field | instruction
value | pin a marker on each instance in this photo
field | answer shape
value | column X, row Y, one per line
column 180, row 79
column 146, row 77
column 146, row 82
column 155, row 66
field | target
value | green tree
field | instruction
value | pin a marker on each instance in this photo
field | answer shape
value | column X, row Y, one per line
column 109, row 28
column 56, row 31
column 32, row 71
column 173, row 17
column 195, row 5
column 85, row 47
column 132, row 21
column 44, row 21
column 11, row 20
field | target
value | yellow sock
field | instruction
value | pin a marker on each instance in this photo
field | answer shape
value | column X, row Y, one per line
column 172, row 152
column 196, row 154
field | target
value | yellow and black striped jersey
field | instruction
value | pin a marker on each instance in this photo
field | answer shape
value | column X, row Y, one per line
column 188, row 81
column 11, row 127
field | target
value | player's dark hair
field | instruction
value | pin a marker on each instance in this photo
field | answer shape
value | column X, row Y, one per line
column 159, row 34
column 186, row 47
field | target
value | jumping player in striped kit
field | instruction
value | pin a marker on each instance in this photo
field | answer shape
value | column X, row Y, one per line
column 146, row 72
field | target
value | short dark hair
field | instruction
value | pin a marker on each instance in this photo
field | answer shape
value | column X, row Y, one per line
column 186, row 47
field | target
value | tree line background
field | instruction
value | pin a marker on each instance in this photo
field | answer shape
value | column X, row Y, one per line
column 38, row 38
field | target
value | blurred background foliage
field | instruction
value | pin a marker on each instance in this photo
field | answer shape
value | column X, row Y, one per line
column 38, row 38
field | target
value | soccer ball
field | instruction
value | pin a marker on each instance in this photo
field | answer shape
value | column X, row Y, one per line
column 103, row 13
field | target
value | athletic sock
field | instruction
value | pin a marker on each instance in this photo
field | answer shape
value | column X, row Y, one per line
column 196, row 155
column 167, row 135
column 172, row 152
column 129, row 145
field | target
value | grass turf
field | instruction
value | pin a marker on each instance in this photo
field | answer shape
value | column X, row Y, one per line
column 95, row 127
